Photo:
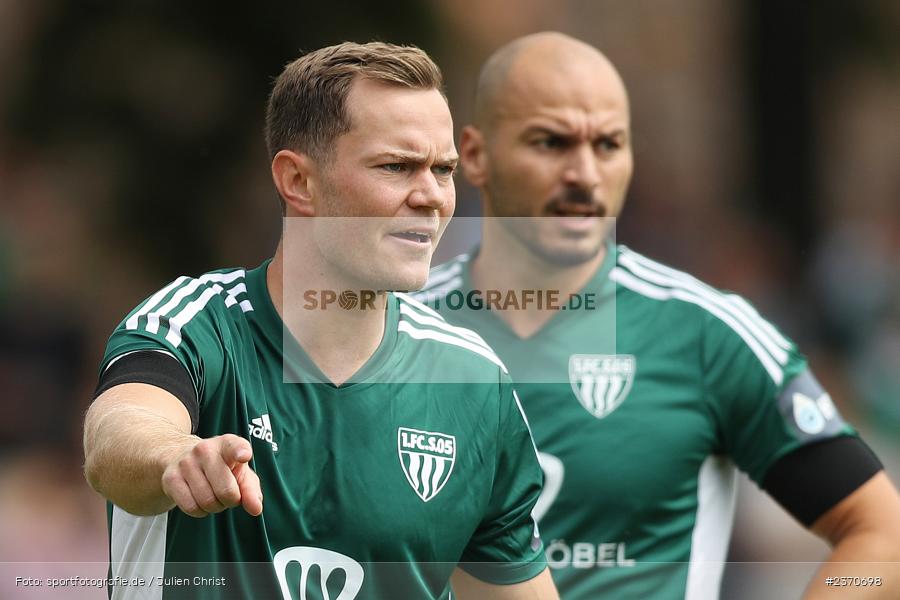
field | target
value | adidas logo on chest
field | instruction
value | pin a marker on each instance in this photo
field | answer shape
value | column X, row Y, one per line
column 261, row 428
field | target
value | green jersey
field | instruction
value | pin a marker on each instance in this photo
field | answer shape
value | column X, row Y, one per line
column 373, row 489
column 642, row 403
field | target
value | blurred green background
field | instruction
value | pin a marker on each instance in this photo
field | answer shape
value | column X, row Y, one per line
column 131, row 151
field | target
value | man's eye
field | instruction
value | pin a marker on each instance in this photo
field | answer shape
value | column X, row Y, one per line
column 394, row 167
column 608, row 144
column 552, row 142
column 443, row 170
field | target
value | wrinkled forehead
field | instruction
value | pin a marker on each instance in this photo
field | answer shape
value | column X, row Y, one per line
column 563, row 84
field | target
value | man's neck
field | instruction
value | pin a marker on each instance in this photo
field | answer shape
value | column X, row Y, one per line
column 505, row 264
column 338, row 341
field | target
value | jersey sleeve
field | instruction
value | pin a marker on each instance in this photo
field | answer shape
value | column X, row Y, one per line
column 506, row 547
column 182, row 320
column 764, row 398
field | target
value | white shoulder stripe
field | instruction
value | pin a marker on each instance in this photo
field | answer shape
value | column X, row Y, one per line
column 240, row 288
column 430, row 334
column 415, row 303
column 231, row 297
column 181, row 319
column 153, row 318
column 738, row 302
column 155, row 299
column 745, row 307
column 665, row 276
column 227, row 277
column 439, row 323
column 625, row 278
column 183, row 316
column 439, row 291
column 640, row 286
column 439, row 275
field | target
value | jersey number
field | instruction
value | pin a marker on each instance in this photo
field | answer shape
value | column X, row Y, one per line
column 553, row 478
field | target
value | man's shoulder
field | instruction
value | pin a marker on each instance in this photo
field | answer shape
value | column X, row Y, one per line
column 212, row 296
column 442, row 280
column 640, row 279
column 715, row 315
column 458, row 348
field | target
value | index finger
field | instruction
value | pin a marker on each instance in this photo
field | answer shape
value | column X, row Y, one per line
column 251, row 490
column 235, row 450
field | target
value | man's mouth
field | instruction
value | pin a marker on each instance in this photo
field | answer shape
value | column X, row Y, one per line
column 418, row 237
column 575, row 203
column 578, row 210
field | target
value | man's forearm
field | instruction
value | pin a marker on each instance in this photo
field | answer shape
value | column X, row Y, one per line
column 127, row 448
column 864, row 565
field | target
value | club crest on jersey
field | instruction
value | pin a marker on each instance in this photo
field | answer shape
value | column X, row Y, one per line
column 601, row 381
column 427, row 459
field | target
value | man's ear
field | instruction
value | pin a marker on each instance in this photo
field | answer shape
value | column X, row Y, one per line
column 295, row 176
column 473, row 155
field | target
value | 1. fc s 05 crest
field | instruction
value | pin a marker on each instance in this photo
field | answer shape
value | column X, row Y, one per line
column 601, row 381
column 427, row 459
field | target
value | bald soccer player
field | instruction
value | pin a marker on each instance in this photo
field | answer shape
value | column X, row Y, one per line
column 647, row 396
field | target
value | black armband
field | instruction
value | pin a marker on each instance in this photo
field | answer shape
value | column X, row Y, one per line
column 154, row 368
column 813, row 478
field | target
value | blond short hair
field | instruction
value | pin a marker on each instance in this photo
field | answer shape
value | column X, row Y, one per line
column 307, row 108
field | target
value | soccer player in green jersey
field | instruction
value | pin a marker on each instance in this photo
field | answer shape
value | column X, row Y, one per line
column 251, row 448
column 642, row 406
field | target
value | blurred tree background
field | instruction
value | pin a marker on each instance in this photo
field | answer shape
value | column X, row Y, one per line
column 166, row 100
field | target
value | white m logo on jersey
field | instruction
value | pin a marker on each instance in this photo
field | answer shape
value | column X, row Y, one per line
column 327, row 562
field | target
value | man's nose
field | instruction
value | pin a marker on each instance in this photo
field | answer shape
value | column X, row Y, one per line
column 429, row 192
column 582, row 169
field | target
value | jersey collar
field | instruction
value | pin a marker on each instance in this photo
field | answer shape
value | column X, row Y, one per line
column 599, row 284
column 298, row 366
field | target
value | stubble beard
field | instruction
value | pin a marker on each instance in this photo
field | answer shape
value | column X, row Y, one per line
column 526, row 230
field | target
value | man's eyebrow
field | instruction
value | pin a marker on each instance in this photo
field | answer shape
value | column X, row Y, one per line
column 400, row 156
column 448, row 159
column 548, row 130
column 619, row 134
column 563, row 131
column 415, row 157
